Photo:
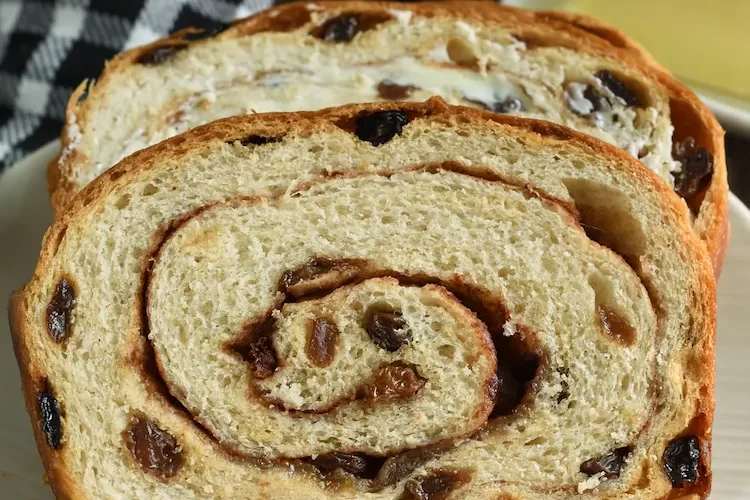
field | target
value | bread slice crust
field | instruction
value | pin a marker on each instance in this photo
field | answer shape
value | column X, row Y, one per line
column 578, row 33
column 698, row 412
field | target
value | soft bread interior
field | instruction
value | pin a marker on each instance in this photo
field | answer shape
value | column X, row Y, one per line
column 456, row 194
column 406, row 55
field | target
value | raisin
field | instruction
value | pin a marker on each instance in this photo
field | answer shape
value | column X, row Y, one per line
column 380, row 127
column 393, row 91
column 697, row 167
column 598, row 101
column 683, row 149
column 159, row 55
column 682, row 460
column 319, row 275
column 258, row 140
column 321, row 341
column 155, row 450
column 345, row 27
column 618, row 88
column 262, row 357
column 358, row 465
column 60, row 310
column 615, row 326
column 564, row 393
column 255, row 345
column 394, row 380
column 609, row 464
column 340, row 29
column 525, row 366
column 436, row 486
column 311, row 269
column 49, row 416
column 399, row 467
column 509, row 393
column 387, row 329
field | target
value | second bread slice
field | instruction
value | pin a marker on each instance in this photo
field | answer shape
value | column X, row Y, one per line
column 569, row 70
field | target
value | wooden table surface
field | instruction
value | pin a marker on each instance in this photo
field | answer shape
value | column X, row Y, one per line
column 738, row 165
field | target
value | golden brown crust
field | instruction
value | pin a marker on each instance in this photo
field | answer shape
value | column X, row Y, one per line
column 612, row 35
column 236, row 128
column 577, row 32
column 693, row 119
column 55, row 468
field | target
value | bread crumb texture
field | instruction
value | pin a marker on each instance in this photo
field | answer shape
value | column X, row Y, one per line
column 430, row 303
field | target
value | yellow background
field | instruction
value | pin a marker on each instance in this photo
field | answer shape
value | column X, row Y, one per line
column 704, row 42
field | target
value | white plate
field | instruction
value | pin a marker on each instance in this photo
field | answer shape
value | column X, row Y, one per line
column 733, row 113
column 25, row 214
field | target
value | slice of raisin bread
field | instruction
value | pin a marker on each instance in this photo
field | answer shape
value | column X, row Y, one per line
column 567, row 69
column 384, row 301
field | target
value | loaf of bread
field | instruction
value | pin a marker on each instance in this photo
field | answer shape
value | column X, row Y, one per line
column 378, row 301
column 567, row 69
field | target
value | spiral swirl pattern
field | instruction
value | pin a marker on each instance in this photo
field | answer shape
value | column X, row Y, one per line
column 337, row 319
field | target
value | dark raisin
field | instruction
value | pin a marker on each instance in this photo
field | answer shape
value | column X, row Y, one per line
column 682, row 460
column 206, row 32
column 320, row 275
column 358, row 465
column 60, row 310
column 159, row 55
column 259, row 140
column 564, row 393
column 262, row 357
column 599, row 102
column 618, row 88
column 525, row 366
column 509, row 393
column 394, row 380
column 309, row 270
column 435, row 486
column 380, row 127
column 610, row 464
column 49, row 416
column 154, row 449
column 615, row 325
column 400, row 466
column 681, row 150
column 387, row 329
column 255, row 345
column 697, row 167
column 393, row 91
column 340, row 29
column 321, row 341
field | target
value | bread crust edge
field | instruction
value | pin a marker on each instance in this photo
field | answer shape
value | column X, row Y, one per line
column 587, row 35
column 234, row 128
column 62, row 485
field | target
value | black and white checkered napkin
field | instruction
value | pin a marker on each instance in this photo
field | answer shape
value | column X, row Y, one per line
column 47, row 47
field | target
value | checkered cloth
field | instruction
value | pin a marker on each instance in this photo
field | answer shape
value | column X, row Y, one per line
column 47, row 47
